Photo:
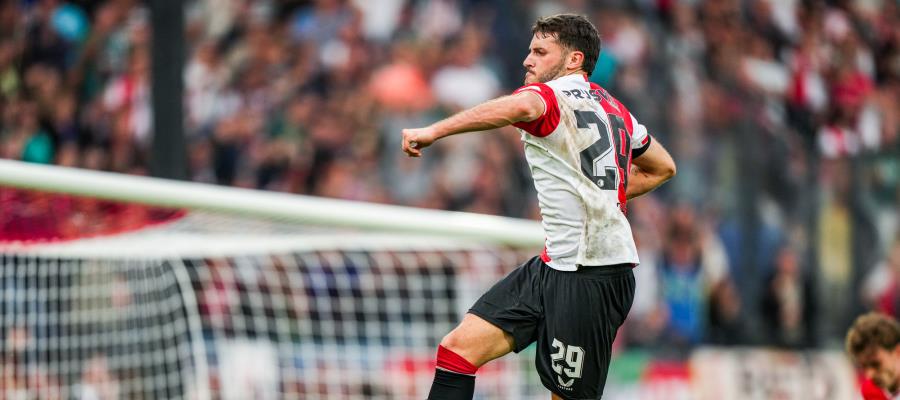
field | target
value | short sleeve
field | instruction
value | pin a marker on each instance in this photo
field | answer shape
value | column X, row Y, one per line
column 549, row 120
column 640, row 139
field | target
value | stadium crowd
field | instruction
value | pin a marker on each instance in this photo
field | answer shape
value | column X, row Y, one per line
column 783, row 117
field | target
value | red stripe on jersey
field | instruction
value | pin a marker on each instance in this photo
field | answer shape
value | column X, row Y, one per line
column 623, row 169
column 549, row 120
column 870, row 391
column 618, row 109
column 544, row 256
column 626, row 116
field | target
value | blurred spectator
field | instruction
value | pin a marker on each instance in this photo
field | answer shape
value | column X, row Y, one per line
column 684, row 292
column 13, row 384
column 97, row 382
column 322, row 22
column 881, row 288
column 26, row 140
column 789, row 303
column 727, row 324
column 465, row 81
column 438, row 19
column 691, row 275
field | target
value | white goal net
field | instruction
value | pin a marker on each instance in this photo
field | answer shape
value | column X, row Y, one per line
column 202, row 305
column 91, row 329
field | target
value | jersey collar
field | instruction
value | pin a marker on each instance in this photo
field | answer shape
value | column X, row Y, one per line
column 574, row 78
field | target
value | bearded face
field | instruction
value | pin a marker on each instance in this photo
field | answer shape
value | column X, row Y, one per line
column 546, row 59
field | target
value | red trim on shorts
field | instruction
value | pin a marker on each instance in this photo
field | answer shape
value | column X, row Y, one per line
column 450, row 361
column 544, row 256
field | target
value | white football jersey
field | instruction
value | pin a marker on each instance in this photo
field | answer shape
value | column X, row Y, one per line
column 580, row 152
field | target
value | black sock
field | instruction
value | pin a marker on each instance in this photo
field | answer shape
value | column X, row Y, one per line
column 452, row 386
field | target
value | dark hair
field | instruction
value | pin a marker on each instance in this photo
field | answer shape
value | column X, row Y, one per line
column 574, row 32
column 870, row 331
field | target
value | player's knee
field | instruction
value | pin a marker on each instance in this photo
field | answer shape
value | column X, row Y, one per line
column 457, row 354
column 477, row 341
column 455, row 341
column 474, row 349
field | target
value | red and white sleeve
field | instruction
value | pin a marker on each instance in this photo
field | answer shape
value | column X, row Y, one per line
column 640, row 138
column 549, row 120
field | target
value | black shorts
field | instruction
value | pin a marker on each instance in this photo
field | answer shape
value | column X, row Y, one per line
column 573, row 316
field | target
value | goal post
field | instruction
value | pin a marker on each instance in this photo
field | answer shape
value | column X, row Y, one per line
column 254, row 203
column 235, row 294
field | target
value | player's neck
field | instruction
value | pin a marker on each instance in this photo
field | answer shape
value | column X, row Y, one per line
column 577, row 72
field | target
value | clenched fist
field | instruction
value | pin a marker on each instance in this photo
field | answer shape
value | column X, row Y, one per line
column 414, row 140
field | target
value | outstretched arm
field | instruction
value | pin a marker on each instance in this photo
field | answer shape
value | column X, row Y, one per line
column 524, row 106
column 649, row 170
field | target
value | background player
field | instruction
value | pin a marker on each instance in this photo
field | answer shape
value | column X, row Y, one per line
column 873, row 342
column 587, row 155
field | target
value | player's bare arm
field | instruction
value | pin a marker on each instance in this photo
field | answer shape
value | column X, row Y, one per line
column 497, row 113
column 649, row 170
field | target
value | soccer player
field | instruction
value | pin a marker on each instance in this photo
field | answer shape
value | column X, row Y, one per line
column 587, row 155
column 873, row 342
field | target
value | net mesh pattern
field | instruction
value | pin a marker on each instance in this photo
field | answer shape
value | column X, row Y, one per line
column 199, row 305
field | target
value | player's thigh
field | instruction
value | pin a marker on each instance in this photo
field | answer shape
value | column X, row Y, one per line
column 581, row 319
column 478, row 341
column 505, row 318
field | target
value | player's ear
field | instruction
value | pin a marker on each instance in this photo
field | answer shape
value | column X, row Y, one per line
column 574, row 60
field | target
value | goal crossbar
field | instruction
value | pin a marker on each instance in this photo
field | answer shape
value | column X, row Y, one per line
column 256, row 203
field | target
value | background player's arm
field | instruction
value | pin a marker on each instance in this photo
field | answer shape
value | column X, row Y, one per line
column 649, row 170
column 520, row 107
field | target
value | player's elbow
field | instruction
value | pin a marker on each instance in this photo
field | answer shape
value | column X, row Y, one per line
column 661, row 173
column 666, row 169
column 669, row 170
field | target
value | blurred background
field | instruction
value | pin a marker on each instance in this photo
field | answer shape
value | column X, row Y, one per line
column 783, row 117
